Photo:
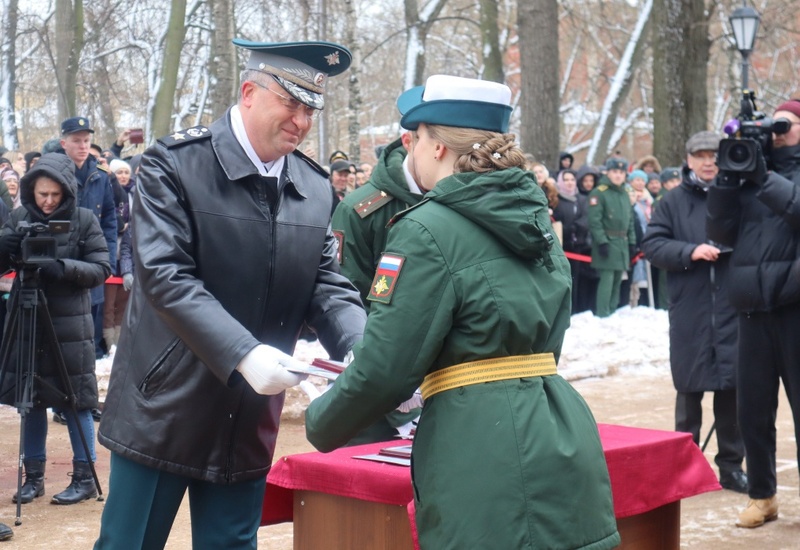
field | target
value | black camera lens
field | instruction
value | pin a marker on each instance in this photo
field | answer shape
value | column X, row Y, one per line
column 739, row 153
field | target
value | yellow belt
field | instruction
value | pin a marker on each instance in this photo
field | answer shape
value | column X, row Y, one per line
column 488, row 370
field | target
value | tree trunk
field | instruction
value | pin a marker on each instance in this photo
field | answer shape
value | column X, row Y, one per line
column 681, row 49
column 69, row 44
column 537, row 24
column 417, row 26
column 620, row 86
column 324, row 116
column 415, row 51
column 8, row 75
column 105, row 132
column 223, row 68
column 695, row 90
column 165, row 97
column 354, row 104
column 490, row 38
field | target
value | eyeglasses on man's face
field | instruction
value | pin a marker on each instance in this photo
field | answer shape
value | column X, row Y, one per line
column 291, row 103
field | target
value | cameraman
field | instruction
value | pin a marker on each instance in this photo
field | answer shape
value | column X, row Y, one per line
column 48, row 192
column 758, row 214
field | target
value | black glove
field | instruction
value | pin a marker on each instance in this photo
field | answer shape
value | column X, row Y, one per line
column 728, row 179
column 603, row 249
column 52, row 271
column 10, row 244
column 759, row 175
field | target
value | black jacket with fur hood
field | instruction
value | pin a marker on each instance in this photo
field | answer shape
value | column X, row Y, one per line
column 82, row 263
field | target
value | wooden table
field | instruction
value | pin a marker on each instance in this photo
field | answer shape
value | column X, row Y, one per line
column 336, row 501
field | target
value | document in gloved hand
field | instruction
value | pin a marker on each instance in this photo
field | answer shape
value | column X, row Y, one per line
column 325, row 368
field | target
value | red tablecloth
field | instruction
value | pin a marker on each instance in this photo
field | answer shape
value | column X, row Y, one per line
column 648, row 469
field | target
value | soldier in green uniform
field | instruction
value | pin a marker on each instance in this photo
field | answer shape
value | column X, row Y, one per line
column 611, row 226
column 470, row 301
column 359, row 222
column 360, row 227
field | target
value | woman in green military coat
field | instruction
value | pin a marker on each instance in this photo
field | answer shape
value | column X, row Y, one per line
column 471, row 301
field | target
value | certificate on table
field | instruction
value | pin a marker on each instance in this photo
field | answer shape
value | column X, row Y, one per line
column 398, row 454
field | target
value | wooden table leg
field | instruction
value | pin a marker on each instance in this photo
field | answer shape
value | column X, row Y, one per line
column 340, row 523
column 658, row 529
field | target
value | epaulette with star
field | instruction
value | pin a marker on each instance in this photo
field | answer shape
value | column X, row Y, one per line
column 185, row 136
column 372, row 203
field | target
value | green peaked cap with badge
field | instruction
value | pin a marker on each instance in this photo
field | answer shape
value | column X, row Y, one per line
column 301, row 68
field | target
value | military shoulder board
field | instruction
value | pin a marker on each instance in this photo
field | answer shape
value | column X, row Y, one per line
column 602, row 188
column 372, row 203
column 312, row 163
column 185, row 136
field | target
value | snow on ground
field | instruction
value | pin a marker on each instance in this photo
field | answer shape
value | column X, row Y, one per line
column 632, row 339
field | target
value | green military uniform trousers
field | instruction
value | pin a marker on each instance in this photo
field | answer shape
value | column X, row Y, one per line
column 608, row 291
column 223, row 515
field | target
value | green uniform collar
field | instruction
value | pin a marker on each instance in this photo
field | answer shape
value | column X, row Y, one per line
column 388, row 175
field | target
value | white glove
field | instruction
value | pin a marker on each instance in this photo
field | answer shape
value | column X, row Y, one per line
column 310, row 390
column 264, row 368
column 415, row 402
column 127, row 281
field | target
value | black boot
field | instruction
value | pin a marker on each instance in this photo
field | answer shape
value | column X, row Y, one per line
column 5, row 532
column 81, row 488
column 34, row 481
column 59, row 417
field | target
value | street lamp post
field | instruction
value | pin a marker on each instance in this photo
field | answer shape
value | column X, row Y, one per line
column 744, row 22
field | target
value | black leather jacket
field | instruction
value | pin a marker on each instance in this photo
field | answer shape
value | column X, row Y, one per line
column 217, row 272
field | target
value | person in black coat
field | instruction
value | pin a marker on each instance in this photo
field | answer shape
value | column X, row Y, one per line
column 116, row 296
column 573, row 213
column 565, row 161
column 759, row 217
column 587, row 177
column 49, row 193
column 702, row 322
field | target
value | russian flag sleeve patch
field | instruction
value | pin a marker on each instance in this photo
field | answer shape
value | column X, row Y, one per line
column 386, row 278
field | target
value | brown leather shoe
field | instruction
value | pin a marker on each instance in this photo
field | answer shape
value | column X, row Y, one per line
column 758, row 512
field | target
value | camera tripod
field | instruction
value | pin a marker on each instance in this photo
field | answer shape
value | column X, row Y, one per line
column 28, row 314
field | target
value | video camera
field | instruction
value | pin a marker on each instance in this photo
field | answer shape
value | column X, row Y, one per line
column 750, row 135
column 39, row 245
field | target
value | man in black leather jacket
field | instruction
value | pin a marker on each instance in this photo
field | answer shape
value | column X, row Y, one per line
column 233, row 255
column 759, row 217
